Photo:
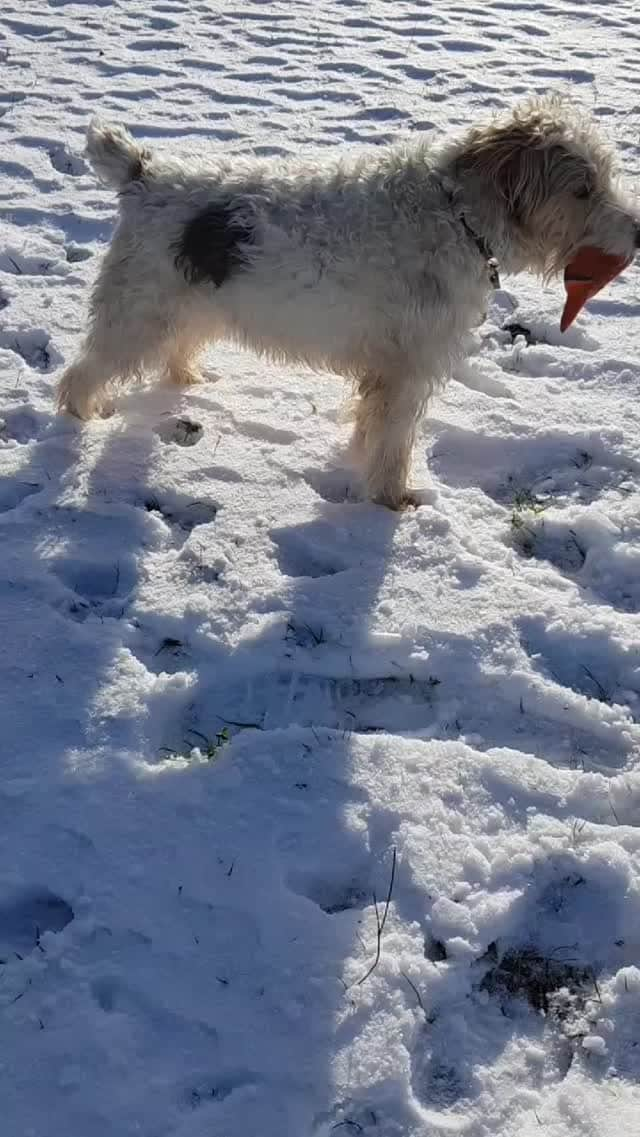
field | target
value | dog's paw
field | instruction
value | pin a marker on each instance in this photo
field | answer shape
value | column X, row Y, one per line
column 83, row 408
column 80, row 396
column 66, row 404
column 407, row 499
column 399, row 503
column 185, row 376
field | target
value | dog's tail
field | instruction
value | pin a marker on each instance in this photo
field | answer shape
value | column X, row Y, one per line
column 115, row 156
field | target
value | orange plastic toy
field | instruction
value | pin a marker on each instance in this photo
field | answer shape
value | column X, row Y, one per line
column 589, row 271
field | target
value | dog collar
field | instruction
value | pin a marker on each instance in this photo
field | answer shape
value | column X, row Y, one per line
column 483, row 246
column 484, row 249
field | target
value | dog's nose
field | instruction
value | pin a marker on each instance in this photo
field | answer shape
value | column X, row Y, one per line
column 637, row 236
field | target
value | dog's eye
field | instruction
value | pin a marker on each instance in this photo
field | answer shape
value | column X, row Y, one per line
column 583, row 193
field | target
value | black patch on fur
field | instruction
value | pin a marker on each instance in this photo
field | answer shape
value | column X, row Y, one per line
column 212, row 245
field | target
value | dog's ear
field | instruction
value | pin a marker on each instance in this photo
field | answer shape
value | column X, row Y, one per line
column 526, row 165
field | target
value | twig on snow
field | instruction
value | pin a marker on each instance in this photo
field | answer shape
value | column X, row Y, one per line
column 415, row 991
column 603, row 695
column 380, row 922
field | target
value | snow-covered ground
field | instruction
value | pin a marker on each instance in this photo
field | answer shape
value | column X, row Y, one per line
column 258, row 739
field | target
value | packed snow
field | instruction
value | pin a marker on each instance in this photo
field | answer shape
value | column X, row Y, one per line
column 315, row 818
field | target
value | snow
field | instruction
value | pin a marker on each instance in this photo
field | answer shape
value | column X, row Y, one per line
column 253, row 729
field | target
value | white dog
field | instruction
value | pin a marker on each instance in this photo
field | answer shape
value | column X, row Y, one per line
column 373, row 266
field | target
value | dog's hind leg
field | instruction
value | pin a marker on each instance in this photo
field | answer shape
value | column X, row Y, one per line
column 81, row 390
column 85, row 388
column 129, row 328
column 117, row 348
column 387, row 414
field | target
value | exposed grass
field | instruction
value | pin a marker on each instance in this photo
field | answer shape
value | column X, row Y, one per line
column 525, row 973
column 303, row 635
column 211, row 747
column 208, row 748
column 526, row 509
column 533, row 539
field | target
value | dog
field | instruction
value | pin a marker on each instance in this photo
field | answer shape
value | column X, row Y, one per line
column 374, row 266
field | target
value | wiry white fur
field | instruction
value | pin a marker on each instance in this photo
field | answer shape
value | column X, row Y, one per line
column 361, row 266
column 115, row 156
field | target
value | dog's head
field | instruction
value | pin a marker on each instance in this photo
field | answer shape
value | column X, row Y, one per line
column 555, row 180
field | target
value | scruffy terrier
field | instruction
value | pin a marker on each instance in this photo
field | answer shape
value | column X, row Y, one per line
column 373, row 266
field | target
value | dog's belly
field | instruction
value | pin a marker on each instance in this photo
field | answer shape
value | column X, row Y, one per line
column 345, row 324
column 301, row 318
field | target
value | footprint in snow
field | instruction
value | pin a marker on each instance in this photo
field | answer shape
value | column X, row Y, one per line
column 535, row 332
column 558, row 545
column 75, row 254
column 336, row 485
column 14, row 493
column 589, row 663
column 26, row 916
column 308, row 554
column 182, row 516
column 21, row 424
column 34, row 347
column 97, row 587
column 610, row 567
column 25, row 264
column 216, row 1088
column 332, row 897
column 183, row 431
column 65, row 162
column 262, row 432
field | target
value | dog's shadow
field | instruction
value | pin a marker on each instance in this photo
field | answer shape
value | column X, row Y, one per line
column 274, row 716
column 265, row 845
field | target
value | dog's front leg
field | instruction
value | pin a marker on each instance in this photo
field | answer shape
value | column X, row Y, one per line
column 387, row 414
